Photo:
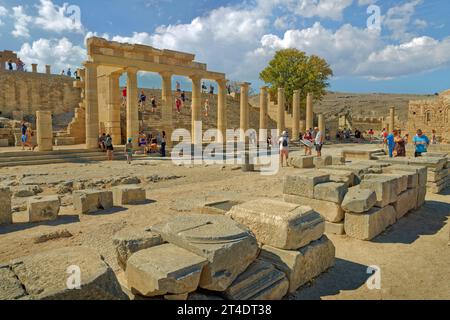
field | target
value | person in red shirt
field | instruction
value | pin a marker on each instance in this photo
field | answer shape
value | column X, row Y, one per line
column 124, row 96
column 178, row 104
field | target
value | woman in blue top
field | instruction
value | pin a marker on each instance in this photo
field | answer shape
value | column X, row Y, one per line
column 421, row 142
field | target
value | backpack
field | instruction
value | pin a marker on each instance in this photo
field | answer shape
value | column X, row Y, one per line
column 285, row 142
column 108, row 142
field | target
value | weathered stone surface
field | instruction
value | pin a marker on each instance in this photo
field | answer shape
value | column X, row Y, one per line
column 302, row 162
column 324, row 161
column 45, row 275
column 303, row 184
column 279, row 224
column 48, row 236
column 128, row 194
column 338, row 160
column 176, row 297
column 330, row 191
column 90, row 201
column 43, row 208
column 358, row 169
column 130, row 180
column 406, row 202
column 421, row 195
column 5, row 206
column 434, row 176
column 368, row 225
column 412, row 176
column 228, row 246
column 341, row 176
column 27, row 191
column 359, row 200
column 220, row 207
column 164, row 269
column 360, row 154
column 131, row 240
column 301, row 266
column 402, row 182
column 261, row 281
column 330, row 211
column 420, row 170
column 384, row 187
column 10, row 286
column 334, row 228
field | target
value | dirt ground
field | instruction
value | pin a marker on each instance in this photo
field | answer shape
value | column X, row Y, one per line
column 413, row 255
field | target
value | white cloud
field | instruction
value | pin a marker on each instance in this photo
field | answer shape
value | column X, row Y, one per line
column 21, row 23
column 398, row 19
column 332, row 9
column 58, row 19
column 421, row 24
column 366, row 2
column 59, row 53
column 3, row 12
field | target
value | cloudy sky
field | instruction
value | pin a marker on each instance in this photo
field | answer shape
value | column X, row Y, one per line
column 404, row 49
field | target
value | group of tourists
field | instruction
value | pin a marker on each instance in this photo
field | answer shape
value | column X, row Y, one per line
column 396, row 142
column 313, row 138
column 20, row 65
column 27, row 135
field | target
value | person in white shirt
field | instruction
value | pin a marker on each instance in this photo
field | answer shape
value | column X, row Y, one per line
column 318, row 141
column 284, row 148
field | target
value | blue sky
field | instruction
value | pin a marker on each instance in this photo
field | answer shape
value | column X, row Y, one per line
column 408, row 53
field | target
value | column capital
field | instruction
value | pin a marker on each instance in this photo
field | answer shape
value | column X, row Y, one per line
column 165, row 74
column 90, row 64
column 263, row 88
column 245, row 84
column 221, row 82
column 296, row 91
column 196, row 77
column 280, row 89
column 132, row 70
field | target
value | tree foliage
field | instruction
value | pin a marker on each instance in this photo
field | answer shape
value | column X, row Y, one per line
column 292, row 70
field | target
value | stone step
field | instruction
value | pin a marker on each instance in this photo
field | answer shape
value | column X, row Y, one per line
column 55, row 160
column 35, row 157
column 41, row 153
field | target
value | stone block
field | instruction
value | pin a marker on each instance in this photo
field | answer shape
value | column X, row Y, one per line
column 301, row 266
column 435, row 176
column 5, row 206
column 338, row 160
column 279, row 224
column 322, row 162
column 10, row 286
column 335, row 228
column 164, row 269
column 131, row 240
column 421, row 195
column 228, row 246
column 43, row 208
column 302, row 162
column 45, row 275
column 261, row 281
column 64, row 141
column 412, row 177
column 367, row 226
column 359, row 200
column 220, row 207
column 128, row 194
column 406, row 202
column 90, row 201
column 4, row 143
column 341, row 176
column 385, row 189
column 330, row 191
column 330, row 211
column 303, row 184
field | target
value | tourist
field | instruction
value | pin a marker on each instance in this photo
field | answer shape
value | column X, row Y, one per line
column 63, row 72
column 269, row 142
column 10, row 65
column 142, row 139
column 284, row 148
column 371, row 133
column 183, row 97
column 101, row 142
column 206, row 108
column 211, row 89
column 318, row 141
column 400, row 145
column 421, row 142
column 69, row 73
column 129, row 150
column 109, row 147
column 75, row 74
column 308, row 142
column 358, row 134
column 154, row 104
column 204, row 87
column 24, row 129
column 390, row 141
column 142, row 99
column 163, row 144
column 20, row 66
column 124, row 96
column 29, row 139
column 178, row 105
column 433, row 137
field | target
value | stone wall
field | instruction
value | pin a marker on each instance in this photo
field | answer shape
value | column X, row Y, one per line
column 431, row 114
column 30, row 92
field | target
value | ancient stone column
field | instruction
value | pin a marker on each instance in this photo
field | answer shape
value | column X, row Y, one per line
column 322, row 122
column 167, row 104
column 44, row 130
column 132, row 106
column 244, row 111
column 113, row 124
column 309, row 112
column 34, row 67
column 302, row 126
column 196, row 108
column 392, row 119
column 91, row 104
column 263, row 110
column 47, row 69
column 221, row 110
column 296, row 114
column 281, row 124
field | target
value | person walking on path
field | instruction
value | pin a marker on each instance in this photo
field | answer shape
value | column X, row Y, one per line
column 142, row 99
column 319, row 141
column 284, row 148
column 153, row 104
column 400, row 145
column 390, row 141
column 23, row 129
column 109, row 147
column 178, row 105
column 129, row 150
column 163, row 144
column 421, row 142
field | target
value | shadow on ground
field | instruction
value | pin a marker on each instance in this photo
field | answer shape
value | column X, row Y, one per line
column 343, row 276
column 428, row 220
column 62, row 220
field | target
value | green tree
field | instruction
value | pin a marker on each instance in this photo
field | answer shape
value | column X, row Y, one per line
column 292, row 70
